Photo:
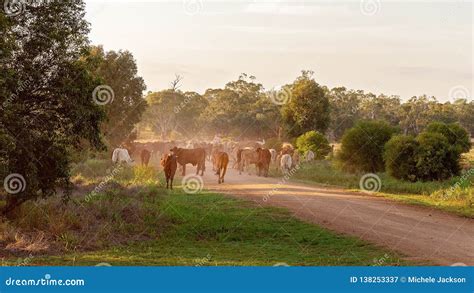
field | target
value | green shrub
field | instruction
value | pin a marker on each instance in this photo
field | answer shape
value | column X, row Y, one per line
column 400, row 157
column 454, row 133
column 434, row 155
column 315, row 142
column 363, row 146
column 436, row 158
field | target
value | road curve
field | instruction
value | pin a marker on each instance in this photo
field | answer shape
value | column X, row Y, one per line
column 420, row 233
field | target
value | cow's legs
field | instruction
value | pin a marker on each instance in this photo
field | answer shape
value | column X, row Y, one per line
column 184, row 169
column 224, row 170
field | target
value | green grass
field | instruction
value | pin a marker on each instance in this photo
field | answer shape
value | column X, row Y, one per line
column 430, row 194
column 325, row 173
column 211, row 229
column 463, row 208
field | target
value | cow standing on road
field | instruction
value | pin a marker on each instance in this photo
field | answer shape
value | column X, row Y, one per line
column 245, row 158
column 193, row 157
column 222, row 161
column 263, row 164
column 169, row 163
column 286, row 163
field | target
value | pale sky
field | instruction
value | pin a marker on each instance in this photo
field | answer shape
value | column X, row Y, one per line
column 402, row 48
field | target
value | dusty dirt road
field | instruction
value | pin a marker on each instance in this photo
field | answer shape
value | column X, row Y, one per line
column 419, row 233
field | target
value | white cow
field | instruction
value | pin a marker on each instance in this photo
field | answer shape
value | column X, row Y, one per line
column 286, row 163
column 309, row 156
column 274, row 154
column 121, row 155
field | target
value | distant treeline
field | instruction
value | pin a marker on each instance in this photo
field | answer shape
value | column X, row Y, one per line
column 244, row 109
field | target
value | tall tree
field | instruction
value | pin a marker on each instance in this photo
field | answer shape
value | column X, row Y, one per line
column 307, row 108
column 464, row 112
column 345, row 110
column 380, row 107
column 241, row 109
column 123, row 90
column 174, row 111
column 48, row 108
column 415, row 114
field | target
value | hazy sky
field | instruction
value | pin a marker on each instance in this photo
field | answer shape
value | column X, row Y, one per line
column 403, row 48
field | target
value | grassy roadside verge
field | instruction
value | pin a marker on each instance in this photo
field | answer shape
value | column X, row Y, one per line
column 210, row 229
column 439, row 195
column 135, row 222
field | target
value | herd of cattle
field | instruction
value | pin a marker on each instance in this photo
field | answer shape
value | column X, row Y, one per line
column 241, row 155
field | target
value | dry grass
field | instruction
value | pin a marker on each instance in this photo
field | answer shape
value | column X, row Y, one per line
column 123, row 211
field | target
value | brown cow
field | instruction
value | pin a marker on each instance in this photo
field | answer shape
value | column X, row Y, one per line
column 222, row 160
column 193, row 156
column 168, row 161
column 145, row 156
column 245, row 158
column 263, row 164
column 216, row 150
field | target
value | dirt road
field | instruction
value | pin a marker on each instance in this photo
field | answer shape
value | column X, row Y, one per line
column 420, row 233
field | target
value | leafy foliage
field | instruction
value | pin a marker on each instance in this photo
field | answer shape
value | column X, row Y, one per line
column 172, row 110
column 434, row 155
column 307, row 108
column 363, row 145
column 315, row 142
column 413, row 116
column 436, row 159
column 456, row 135
column 400, row 157
column 46, row 101
column 118, row 70
column 241, row 109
